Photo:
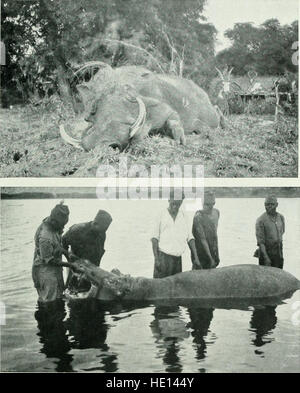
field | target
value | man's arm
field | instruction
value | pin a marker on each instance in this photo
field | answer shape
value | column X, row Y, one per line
column 207, row 251
column 263, row 250
column 67, row 240
column 192, row 246
column 218, row 215
column 200, row 233
column 260, row 237
column 155, row 247
column 155, row 250
column 50, row 256
column 155, row 240
column 283, row 224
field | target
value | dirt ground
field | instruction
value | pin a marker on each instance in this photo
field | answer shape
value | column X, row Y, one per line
column 249, row 146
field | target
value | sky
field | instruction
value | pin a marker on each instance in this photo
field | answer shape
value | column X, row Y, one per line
column 223, row 14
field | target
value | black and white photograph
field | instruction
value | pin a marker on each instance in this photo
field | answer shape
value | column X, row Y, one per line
column 150, row 286
column 201, row 82
column 149, row 189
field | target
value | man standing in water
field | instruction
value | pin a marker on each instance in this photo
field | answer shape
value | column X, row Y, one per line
column 171, row 233
column 205, row 226
column 87, row 242
column 270, row 227
column 47, row 262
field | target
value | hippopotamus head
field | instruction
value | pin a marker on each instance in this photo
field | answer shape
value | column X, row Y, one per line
column 112, row 115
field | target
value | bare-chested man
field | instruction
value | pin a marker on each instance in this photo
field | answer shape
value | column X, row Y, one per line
column 205, row 227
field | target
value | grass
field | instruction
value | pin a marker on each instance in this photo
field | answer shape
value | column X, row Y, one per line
column 249, row 146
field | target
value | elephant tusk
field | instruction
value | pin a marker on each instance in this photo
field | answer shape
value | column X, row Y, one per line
column 140, row 121
column 67, row 138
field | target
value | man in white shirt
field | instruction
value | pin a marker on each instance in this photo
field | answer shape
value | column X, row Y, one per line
column 171, row 234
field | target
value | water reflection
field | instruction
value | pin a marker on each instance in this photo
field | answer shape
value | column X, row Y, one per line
column 200, row 323
column 262, row 323
column 169, row 329
column 85, row 327
column 52, row 332
column 88, row 329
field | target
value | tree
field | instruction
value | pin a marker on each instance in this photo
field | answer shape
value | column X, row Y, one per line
column 47, row 40
column 19, row 38
column 266, row 49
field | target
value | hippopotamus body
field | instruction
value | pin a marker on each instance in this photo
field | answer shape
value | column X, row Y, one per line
column 231, row 282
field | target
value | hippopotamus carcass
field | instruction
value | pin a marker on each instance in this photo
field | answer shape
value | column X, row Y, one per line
column 237, row 282
column 127, row 103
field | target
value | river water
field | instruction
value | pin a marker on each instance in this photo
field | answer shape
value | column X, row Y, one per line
column 87, row 337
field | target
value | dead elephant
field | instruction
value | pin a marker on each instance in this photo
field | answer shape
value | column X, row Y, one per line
column 128, row 103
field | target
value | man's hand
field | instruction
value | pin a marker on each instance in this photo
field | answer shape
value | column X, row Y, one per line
column 197, row 263
column 72, row 257
column 213, row 263
column 61, row 251
column 76, row 268
column 58, row 252
column 267, row 261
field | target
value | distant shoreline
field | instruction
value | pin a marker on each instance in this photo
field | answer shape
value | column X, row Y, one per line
column 90, row 193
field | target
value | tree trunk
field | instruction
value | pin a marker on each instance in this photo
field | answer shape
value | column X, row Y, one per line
column 53, row 40
column 63, row 85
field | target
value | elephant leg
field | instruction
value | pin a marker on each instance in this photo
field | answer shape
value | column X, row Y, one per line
column 177, row 131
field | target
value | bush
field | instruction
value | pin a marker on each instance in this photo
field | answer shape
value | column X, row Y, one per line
column 290, row 108
column 258, row 106
column 236, row 105
column 10, row 97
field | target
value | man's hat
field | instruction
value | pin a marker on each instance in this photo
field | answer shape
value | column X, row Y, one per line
column 103, row 217
column 60, row 213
